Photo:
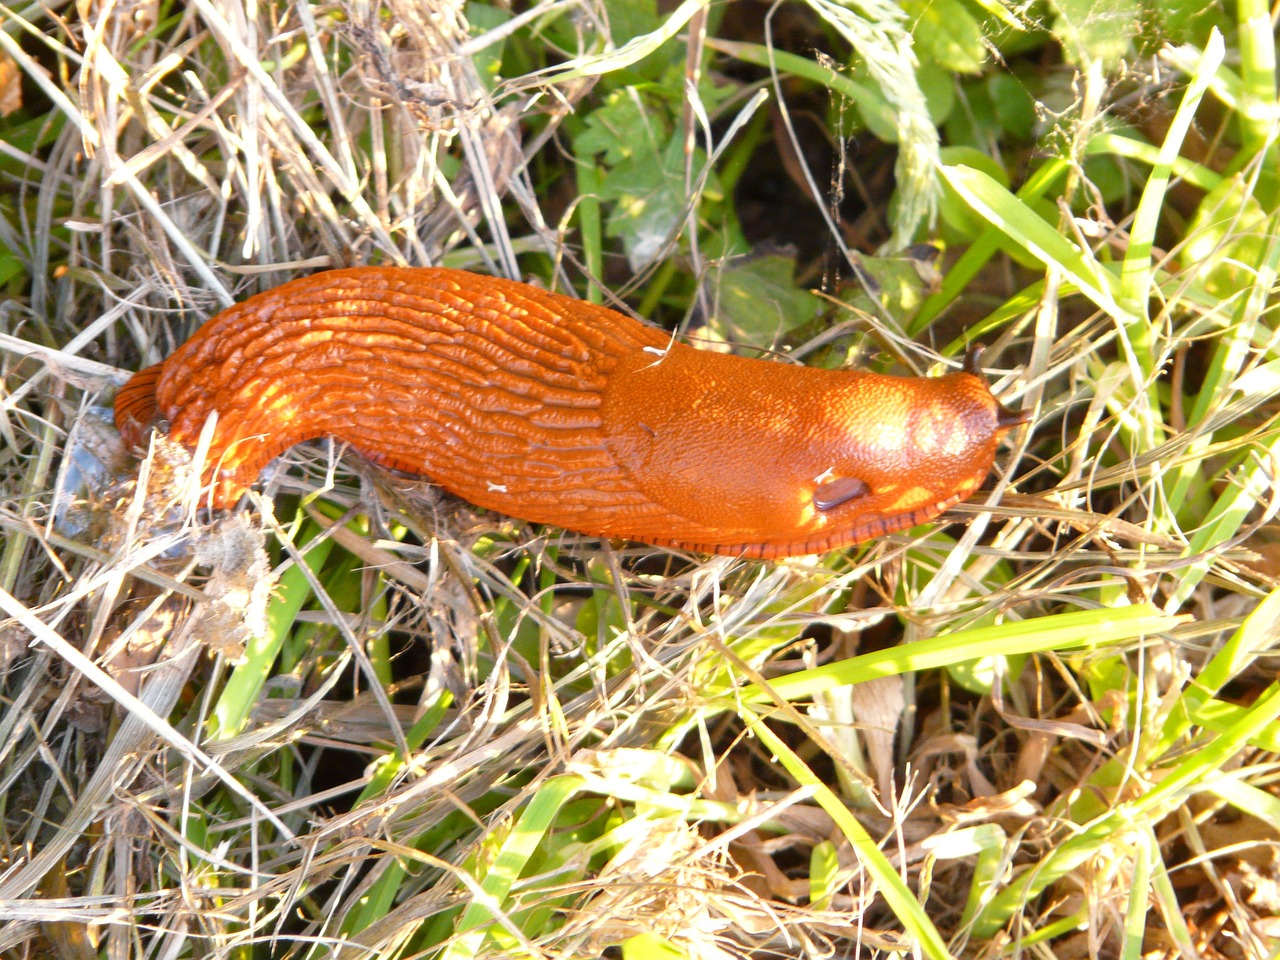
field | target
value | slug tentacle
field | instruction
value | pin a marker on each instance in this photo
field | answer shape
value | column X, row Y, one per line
column 1006, row 419
column 563, row 412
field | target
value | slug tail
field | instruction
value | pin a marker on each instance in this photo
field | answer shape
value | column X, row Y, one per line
column 135, row 409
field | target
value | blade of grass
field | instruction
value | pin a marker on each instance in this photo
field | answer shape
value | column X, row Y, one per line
column 1257, row 633
column 244, row 686
column 1067, row 631
column 1021, row 224
column 1231, row 352
column 1254, row 483
column 515, row 853
column 981, row 250
column 631, row 52
column 1171, row 911
column 1113, row 144
column 1136, row 270
column 1246, row 798
column 891, row 886
column 1191, row 776
column 1146, row 851
column 1080, row 268
column 806, row 68
column 1219, row 716
column 1258, row 108
column 589, row 223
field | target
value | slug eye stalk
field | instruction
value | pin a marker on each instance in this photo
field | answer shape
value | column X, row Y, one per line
column 1006, row 419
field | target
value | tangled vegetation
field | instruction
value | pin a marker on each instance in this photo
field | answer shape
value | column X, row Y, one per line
column 358, row 718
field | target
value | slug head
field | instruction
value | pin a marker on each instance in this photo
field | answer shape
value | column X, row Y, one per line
column 903, row 450
column 768, row 460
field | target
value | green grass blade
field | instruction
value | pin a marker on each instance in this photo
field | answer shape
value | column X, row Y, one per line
column 1137, row 269
column 1111, row 143
column 1259, row 632
column 632, row 52
column 1258, row 106
column 891, row 886
column 1188, row 777
column 516, row 851
column 1067, row 631
column 1231, row 353
column 1251, row 485
column 244, row 686
column 1021, row 224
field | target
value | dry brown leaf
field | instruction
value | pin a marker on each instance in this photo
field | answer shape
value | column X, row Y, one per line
column 10, row 86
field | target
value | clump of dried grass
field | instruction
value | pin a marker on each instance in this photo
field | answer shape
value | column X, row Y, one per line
column 200, row 158
column 194, row 159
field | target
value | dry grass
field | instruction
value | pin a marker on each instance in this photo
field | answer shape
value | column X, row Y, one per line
column 376, row 722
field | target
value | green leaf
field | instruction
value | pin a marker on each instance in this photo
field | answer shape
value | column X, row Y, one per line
column 482, row 18
column 629, row 19
column 902, row 281
column 1189, row 21
column 758, row 301
column 1096, row 30
column 649, row 200
column 1015, row 107
column 621, row 129
column 10, row 267
column 947, row 33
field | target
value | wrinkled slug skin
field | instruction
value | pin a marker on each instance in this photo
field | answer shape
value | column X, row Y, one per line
column 562, row 412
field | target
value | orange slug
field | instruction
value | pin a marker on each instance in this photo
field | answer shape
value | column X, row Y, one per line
column 562, row 412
